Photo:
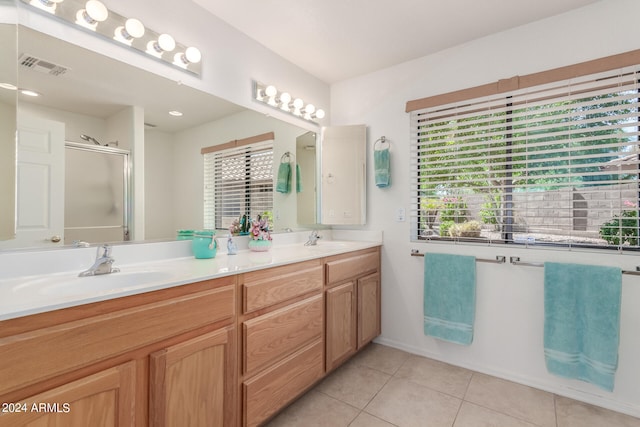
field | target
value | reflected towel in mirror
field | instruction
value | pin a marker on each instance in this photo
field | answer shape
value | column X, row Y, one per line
column 283, row 184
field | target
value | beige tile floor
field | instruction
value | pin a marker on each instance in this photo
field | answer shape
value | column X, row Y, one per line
column 386, row 387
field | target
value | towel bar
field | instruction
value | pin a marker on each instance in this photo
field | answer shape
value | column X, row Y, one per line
column 515, row 260
column 500, row 259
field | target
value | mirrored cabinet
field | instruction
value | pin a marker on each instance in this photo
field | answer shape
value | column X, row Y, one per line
column 343, row 171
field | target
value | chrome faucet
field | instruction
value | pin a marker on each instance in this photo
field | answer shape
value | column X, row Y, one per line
column 313, row 238
column 103, row 263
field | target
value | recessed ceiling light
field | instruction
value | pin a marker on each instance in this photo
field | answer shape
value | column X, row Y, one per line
column 175, row 113
column 29, row 92
column 8, row 86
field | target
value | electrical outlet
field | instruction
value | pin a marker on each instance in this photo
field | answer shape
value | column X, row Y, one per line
column 400, row 215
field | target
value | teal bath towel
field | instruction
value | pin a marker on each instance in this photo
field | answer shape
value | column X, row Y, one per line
column 381, row 164
column 298, row 179
column 283, row 184
column 582, row 321
column 449, row 297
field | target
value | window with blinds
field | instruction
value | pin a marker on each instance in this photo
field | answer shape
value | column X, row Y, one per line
column 237, row 181
column 552, row 164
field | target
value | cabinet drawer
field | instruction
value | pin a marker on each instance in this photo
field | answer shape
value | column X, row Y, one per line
column 270, row 391
column 73, row 345
column 271, row 337
column 349, row 267
column 275, row 285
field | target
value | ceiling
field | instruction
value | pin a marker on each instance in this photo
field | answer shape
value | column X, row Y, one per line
column 335, row 40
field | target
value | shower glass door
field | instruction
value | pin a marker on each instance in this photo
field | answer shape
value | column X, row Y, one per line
column 96, row 194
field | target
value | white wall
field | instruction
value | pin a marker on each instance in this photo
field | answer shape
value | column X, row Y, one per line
column 75, row 124
column 159, row 188
column 508, row 338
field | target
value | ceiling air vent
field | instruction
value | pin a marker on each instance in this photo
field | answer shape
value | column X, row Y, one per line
column 41, row 65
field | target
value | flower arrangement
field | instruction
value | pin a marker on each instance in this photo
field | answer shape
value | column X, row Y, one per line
column 234, row 228
column 240, row 226
column 260, row 229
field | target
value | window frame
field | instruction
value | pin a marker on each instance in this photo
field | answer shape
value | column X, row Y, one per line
column 245, row 151
column 506, row 87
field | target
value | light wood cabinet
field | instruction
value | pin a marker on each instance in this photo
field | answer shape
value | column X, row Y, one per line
column 191, row 382
column 103, row 357
column 226, row 352
column 282, row 337
column 341, row 323
column 368, row 309
column 267, row 393
column 105, row 399
column 353, row 304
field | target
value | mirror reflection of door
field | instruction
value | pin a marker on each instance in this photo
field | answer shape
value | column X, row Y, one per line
column 40, row 179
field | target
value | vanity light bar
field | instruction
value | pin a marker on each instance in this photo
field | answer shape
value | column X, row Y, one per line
column 94, row 16
column 283, row 101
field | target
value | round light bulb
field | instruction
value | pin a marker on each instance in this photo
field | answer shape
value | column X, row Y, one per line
column 193, row 55
column 166, row 42
column 309, row 109
column 298, row 103
column 285, row 98
column 271, row 91
column 320, row 113
column 46, row 5
column 96, row 11
column 134, row 28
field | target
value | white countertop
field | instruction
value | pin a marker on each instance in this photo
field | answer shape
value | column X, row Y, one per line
column 31, row 294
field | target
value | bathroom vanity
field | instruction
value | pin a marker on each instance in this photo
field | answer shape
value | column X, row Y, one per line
column 231, row 348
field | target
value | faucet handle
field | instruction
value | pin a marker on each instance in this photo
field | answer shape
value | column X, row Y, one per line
column 107, row 251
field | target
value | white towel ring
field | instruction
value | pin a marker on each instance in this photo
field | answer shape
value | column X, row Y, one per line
column 382, row 140
column 286, row 157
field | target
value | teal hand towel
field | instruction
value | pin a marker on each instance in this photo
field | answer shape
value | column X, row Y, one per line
column 298, row 179
column 283, row 184
column 449, row 297
column 381, row 165
column 582, row 321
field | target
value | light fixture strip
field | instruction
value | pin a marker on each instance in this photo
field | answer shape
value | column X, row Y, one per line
column 283, row 101
column 94, row 16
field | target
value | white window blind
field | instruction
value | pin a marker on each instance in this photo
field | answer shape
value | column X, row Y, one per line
column 550, row 165
column 237, row 181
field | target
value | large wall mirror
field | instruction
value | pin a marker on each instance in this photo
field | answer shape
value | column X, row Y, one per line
column 87, row 98
column 8, row 81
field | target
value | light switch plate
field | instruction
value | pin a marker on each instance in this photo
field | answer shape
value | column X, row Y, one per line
column 400, row 215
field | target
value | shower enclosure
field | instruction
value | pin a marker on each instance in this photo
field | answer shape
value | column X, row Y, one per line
column 97, row 207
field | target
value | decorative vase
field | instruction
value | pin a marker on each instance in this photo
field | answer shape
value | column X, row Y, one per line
column 259, row 245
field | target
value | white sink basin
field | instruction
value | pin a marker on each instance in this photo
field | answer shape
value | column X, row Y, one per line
column 65, row 285
column 328, row 245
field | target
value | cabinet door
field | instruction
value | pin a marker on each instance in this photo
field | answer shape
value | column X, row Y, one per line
column 104, row 399
column 192, row 383
column 368, row 308
column 341, row 323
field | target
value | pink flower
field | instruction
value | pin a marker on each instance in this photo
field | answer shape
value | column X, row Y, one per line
column 629, row 204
